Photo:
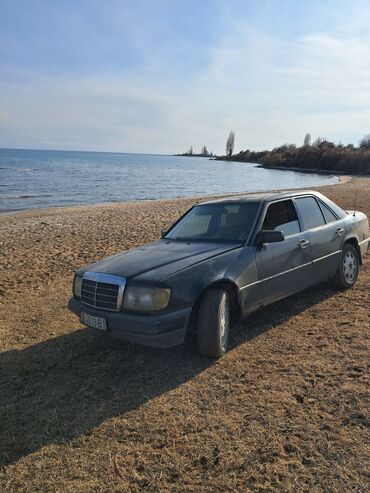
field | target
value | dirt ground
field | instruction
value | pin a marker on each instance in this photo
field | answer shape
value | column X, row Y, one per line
column 286, row 409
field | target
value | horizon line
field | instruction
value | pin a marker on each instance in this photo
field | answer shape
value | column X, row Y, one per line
column 81, row 150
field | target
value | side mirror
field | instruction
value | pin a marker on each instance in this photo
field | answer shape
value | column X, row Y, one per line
column 268, row 237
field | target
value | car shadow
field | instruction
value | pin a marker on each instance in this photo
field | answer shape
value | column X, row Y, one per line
column 62, row 388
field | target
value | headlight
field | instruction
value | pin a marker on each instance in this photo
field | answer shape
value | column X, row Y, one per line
column 145, row 299
column 77, row 282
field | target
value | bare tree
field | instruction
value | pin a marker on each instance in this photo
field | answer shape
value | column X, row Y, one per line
column 204, row 151
column 307, row 140
column 318, row 141
column 230, row 143
column 365, row 142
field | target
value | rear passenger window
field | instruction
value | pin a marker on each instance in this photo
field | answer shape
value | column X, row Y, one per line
column 281, row 216
column 329, row 216
column 310, row 212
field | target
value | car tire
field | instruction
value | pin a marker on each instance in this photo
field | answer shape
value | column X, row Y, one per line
column 214, row 323
column 347, row 272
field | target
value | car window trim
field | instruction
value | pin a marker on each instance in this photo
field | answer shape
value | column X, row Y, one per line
column 264, row 211
column 254, row 224
column 321, row 204
column 298, row 212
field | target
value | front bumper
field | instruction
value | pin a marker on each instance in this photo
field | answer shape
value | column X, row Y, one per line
column 160, row 331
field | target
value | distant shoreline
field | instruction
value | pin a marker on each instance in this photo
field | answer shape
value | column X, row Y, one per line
column 311, row 170
column 209, row 156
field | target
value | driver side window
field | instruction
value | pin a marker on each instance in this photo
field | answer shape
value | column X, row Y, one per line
column 282, row 216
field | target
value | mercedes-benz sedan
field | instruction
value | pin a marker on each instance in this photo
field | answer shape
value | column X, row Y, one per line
column 234, row 254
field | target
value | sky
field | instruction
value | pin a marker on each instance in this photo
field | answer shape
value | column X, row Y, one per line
column 159, row 76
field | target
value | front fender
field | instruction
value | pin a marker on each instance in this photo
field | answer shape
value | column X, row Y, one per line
column 236, row 266
column 187, row 284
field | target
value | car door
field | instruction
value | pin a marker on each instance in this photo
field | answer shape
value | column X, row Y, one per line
column 284, row 267
column 325, row 232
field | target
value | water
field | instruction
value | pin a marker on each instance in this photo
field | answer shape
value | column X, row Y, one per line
column 32, row 179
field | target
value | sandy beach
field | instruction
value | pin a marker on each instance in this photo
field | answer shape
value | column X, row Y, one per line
column 284, row 410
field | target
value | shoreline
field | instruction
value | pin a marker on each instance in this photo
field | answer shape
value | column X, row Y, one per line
column 312, row 171
column 49, row 210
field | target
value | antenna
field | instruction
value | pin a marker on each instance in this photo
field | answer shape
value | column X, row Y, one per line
column 354, row 209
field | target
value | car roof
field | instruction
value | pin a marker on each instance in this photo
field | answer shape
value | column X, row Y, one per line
column 261, row 197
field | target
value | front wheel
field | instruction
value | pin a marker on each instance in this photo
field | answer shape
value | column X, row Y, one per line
column 214, row 323
column 347, row 272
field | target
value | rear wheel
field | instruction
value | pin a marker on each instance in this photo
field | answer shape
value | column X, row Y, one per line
column 214, row 323
column 347, row 272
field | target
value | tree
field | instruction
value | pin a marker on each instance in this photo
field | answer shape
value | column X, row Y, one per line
column 204, row 151
column 230, row 143
column 365, row 142
column 318, row 141
column 307, row 140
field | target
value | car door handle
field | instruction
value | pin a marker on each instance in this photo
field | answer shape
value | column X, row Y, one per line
column 304, row 244
column 339, row 231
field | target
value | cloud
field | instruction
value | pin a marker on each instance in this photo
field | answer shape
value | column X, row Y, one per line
column 100, row 112
column 268, row 73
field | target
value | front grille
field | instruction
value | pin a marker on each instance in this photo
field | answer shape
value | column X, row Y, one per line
column 102, row 291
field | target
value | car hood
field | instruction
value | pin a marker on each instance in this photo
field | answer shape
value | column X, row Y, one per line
column 166, row 256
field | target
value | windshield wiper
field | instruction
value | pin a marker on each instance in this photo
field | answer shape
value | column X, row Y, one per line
column 210, row 240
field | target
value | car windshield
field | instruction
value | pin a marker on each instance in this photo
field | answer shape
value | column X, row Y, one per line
column 216, row 222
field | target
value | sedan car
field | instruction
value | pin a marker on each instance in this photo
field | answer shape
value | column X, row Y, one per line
column 235, row 254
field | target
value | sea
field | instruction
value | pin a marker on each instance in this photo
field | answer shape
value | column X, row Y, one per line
column 32, row 179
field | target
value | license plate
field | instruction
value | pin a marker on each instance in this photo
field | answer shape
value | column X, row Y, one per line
column 92, row 321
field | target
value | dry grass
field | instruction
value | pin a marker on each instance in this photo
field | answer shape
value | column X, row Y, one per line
column 284, row 410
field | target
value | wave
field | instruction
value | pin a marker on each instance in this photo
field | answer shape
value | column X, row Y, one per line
column 19, row 170
column 19, row 197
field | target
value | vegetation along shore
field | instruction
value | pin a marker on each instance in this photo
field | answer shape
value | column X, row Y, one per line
column 319, row 156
